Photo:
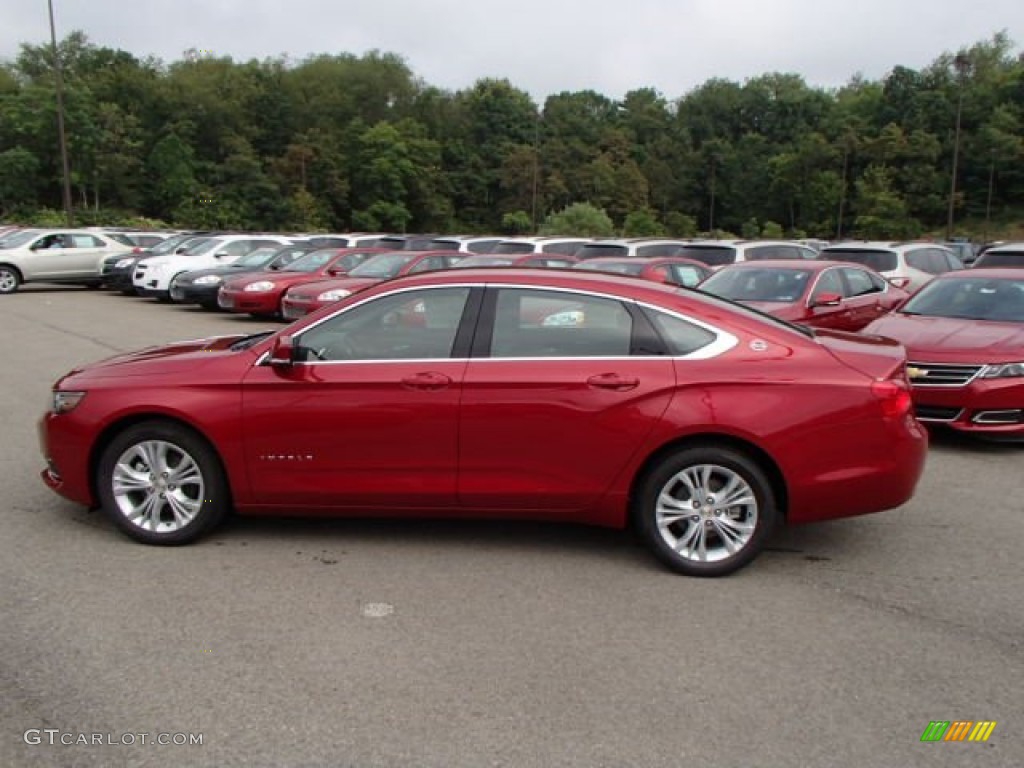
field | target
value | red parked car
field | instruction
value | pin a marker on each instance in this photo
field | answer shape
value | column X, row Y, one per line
column 674, row 270
column 310, row 297
column 822, row 294
column 964, row 335
column 260, row 294
column 538, row 394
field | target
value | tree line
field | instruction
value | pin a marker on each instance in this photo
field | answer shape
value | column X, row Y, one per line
column 344, row 142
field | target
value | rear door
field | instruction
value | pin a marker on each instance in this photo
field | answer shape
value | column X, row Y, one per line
column 561, row 391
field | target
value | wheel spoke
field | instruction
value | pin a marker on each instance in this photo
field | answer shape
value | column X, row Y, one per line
column 186, row 473
column 731, row 538
column 183, row 508
column 128, row 480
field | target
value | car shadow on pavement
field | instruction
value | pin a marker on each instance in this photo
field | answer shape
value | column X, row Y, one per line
column 942, row 439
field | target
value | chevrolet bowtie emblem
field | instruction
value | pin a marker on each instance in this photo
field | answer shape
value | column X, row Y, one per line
column 916, row 373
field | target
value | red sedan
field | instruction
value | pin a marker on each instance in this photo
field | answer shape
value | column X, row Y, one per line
column 260, row 294
column 822, row 294
column 674, row 270
column 964, row 334
column 303, row 299
column 513, row 393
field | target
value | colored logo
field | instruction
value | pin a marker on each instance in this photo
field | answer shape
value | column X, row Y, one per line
column 958, row 730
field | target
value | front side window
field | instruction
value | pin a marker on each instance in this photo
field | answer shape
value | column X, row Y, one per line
column 535, row 323
column 412, row 325
column 829, row 282
column 859, row 282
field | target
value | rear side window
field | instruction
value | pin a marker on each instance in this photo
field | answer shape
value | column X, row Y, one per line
column 681, row 337
column 880, row 261
column 658, row 249
column 531, row 323
column 685, row 274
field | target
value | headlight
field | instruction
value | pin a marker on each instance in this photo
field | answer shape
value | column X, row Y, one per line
column 65, row 402
column 1003, row 371
column 262, row 285
column 124, row 263
column 207, row 280
column 335, row 295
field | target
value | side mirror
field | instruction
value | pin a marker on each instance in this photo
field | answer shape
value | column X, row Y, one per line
column 282, row 354
column 335, row 271
column 827, row 300
column 221, row 255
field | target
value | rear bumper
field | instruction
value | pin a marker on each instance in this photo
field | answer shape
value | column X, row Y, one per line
column 892, row 460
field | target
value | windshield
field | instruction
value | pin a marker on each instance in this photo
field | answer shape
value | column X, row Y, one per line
column 249, row 341
column 256, row 258
column 880, row 261
column 203, row 246
column 970, row 298
column 484, row 261
column 617, row 267
column 19, row 239
column 383, row 266
column 599, row 250
column 513, row 248
column 1002, row 259
column 170, row 244
column 712, row 255
column 775, row 285
column 312, row 261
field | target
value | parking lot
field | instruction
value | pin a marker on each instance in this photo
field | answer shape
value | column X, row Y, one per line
column 398, row 643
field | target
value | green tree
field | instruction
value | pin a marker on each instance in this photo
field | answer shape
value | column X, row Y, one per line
column 643, row 223
column 579, row 220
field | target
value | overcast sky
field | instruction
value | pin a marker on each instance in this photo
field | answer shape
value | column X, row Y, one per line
column 546, row 46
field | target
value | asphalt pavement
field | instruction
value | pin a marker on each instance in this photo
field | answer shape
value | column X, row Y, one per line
column 448, row 644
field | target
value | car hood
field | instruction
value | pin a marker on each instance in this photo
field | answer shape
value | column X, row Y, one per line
column 785, row 310
column 278, row 278
column 161, row 360
column 953, row 340
column 226, row 272
column 353, row 284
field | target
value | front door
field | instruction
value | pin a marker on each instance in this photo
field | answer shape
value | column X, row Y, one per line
column 367, row 415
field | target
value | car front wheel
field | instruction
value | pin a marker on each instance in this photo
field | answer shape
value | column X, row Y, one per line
column 706, row 510
column 9, row 279
column 161, row 483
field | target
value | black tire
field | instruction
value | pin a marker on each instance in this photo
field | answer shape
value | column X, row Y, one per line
column 10, row 279
column 716, row 523
column 207, row 499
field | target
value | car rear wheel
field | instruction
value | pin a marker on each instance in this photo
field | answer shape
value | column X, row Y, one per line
column 162, row 484
column 706, row 510
column 9, row 279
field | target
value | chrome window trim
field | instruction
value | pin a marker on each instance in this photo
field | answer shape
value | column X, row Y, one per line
column 724, row 340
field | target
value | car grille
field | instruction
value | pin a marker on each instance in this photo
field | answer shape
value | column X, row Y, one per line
column 937, row 413
column 941, row 374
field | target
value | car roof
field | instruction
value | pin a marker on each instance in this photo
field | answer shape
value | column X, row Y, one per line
column 994, row 273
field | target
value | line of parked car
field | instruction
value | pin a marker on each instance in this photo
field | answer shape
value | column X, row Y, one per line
column 963, row 329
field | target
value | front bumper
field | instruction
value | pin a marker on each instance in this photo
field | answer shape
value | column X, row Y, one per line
column 293, row 309
column 195, row 294
column 252, row 302
column 992, row 407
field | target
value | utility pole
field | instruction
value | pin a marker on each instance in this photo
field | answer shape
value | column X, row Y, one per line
column 961, row 63
column 60, row 119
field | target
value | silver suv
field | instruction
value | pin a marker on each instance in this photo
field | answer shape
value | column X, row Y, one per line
column 55, row 256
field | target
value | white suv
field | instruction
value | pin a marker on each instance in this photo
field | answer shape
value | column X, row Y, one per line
column 153, row 276
column 719, row 253
column 906, row 265
column 55, row 256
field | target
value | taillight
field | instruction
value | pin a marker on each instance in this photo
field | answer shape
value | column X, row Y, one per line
column 893, row 396
column 136, row 249
column 900, row 282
